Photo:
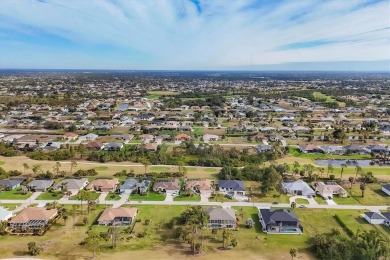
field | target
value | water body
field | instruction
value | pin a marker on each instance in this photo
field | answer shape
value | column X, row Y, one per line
column 361, row 163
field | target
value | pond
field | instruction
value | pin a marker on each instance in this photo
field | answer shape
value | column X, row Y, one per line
column 361, row 163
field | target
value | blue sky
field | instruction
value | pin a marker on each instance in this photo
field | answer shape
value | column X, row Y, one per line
column 195, row 34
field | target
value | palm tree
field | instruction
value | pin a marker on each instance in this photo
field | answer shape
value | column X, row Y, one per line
column 36, row 169
column 372, row 245
column 73, row 213
column 145, row 163
column 342, row 170
column 322, row 170
column 351, row 180
column 358, row 171
column 296, row 166
column 26, row 167
column 362, row 188
column 73, row 164
column 293, row 205
column 293, row 252
column 56, row 168
column 330, row 169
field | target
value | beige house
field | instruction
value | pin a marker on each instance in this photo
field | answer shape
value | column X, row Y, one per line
column 117, row 216
column 329, row 189
column 199, row 186
column 103, row 185
column 33, row 218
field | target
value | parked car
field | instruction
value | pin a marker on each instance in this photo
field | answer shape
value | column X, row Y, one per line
column 302, row 206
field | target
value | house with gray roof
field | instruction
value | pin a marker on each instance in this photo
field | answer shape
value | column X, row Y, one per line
column 232, row 187
column 386, row 189
column 221, row 218
column 113, row 146
column 5, row 214
column 72, row 185
column 133, row 185
column 281, row 221
column 40, row 185
column 10, row 184
column 374, row 218
column 298, row 187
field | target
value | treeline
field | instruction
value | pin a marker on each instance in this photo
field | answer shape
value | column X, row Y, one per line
column 367, row 245
column 7, row 150
column 6, row 174
column 57, row 155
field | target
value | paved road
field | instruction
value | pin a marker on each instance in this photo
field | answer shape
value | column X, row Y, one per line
column 118, row 203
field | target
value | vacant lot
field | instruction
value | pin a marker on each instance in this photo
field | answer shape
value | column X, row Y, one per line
column 151, row 196
column 15, row 194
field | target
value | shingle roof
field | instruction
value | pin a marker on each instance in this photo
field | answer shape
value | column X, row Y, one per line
column 373, row 215
column 111, row 213
column 33, row 214
column 233, row 184
column 387, row 187
column 9, row 183
column 72, row 184
column 276, row 216
column 221, row 214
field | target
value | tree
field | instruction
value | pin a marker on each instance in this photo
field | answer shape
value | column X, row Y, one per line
column 195, row 216
column 36, row 169
column 351, row 181
column 293, row 252
column 214, row 231
column 73, row 164
column 322, row 170
column 83, row 195
column 33, row 249
column 293, row 205
column 358, row 171
column 371, row 245
column 94, row 241
column 343, row 166
column 145, row 162
column 227, row 237
column 73, row 213
column 113, row 231
column 26, row 167
column 363, row 188
column 56, row 168
column 330, row 169
column 339, row 134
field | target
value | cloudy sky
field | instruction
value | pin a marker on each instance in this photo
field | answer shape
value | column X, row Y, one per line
column 195, row 34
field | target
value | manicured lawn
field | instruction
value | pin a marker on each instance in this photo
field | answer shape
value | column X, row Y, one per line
column 346, row 201
column 151, row 196
column 327, row 98
column 220, row 198
column 94, row 195
column 255, row 195
column 301, row 201
column 47, row 195
column 10, row 206
column 296, row 153
column 14, row 195
column 101, row 168
column 320, row 200
column 113, row 196
column 187, row 198
column 159, row 168
column 373, row 195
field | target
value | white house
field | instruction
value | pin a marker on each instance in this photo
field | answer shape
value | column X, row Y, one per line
column 374, row 218
column 89, row 137
column 386, row 189
column 298, row 187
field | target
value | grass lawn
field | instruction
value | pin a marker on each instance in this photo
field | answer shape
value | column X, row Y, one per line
column 2, row 162
column 187, row 198
column 15, row 194
column 159, row 168
column 94, row 195
column 301, row 201
column 320, row 200
column 327, row 98
column 345, row 201
column 210, row 169
column 220, row 198
column 101, row 168
column 294, row 151
column 10, row 206
column 373, row 195
column 151, row 196
column 55, row 195
column 113, row 196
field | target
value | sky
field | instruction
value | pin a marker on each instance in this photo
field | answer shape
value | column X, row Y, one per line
column 195, row 34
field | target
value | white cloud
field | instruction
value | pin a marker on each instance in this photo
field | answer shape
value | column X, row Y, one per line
column 176, row 36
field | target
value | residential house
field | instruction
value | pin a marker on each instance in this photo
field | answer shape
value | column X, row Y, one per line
column 182, row 137
column 310, row 148
column 329, row 189
column 264, row 148
column 332, row 149
column 164, row 185
column 133, row 185
column 10, row 184
column 298, row 187
column 33, row 218
column 70, row 136
column 374, row 218
column 386, row 189
column 113, row 146
column 353, row 148
column 89, row 137
column 72, row 185
column 221, row 217
column 210, row 138
column 50, row 146
column 281, row 221
column 150, row 146
column 117, row 216
column 103, row 185
column 94, row 146
column 40, row 185
column 232, row 187
column 386, row 215
column 199, row 186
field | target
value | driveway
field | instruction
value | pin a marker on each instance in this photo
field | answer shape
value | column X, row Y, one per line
column 102, row 197
column 169, row 196
column 205, row 197
column 331, row 202
column 311, row 200
column 123, row 200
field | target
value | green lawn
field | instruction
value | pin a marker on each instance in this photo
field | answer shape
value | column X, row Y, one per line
column 94, row 195
column 210, row 170
column 14, row 195
column 10, row 206
column 294, row 151
column 159, row 168
column 301, row 201
column 220, row 198
column 2, row 162
column 151, row 196
column 320, row 200
column 47, row 195
column 187, row 198
column 101, row 168
column 346, row 201
column 113, row 196
column 373, row 195
column 328, row 99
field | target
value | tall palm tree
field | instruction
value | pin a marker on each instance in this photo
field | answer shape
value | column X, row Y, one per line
column 73, row 164
column 351, row 180
column 293, row 253
column 358, row 171
column 227, row 237
column 322, row 170
column 36, row 169
column 342, row 170
column 56, row 168
column 363, row 188
column 330, row 169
